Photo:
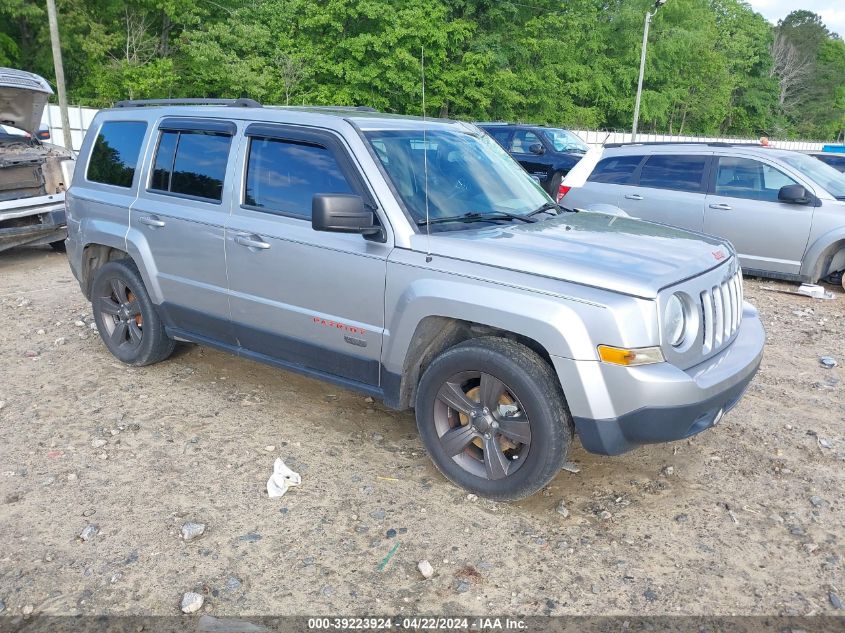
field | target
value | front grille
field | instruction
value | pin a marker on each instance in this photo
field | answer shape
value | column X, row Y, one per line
column 721, row 309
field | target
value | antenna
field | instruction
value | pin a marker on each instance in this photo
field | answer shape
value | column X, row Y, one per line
column 425, row 161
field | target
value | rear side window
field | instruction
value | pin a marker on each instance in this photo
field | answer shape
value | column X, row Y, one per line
column 616, row 170
column 668, row 171
column 283, row 176
column 114, row 157
column 501, row 136
column 191, row 163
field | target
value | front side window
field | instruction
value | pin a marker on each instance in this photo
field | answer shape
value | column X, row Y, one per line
column 448, row 174
column 616, row 170
column 671, row 171
column 820, row 173
column 523, row 140
column 750, row 179
column 114, row 157
column 283, row 176
column 191, row 163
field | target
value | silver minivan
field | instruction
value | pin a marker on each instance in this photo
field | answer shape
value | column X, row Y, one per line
column 783, row 211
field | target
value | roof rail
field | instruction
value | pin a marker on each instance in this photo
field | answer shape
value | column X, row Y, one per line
column 359, row 108
column 232, row 103
column 709, row 143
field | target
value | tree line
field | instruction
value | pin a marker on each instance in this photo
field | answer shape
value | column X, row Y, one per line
column 715, row 67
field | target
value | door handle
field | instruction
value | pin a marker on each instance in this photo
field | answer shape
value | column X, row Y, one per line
column 721, row 206
column 251, row 241
column 633, row 196
column 151, row 220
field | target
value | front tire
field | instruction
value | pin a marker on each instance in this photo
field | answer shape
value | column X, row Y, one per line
column 493, row 418
column 126, row 317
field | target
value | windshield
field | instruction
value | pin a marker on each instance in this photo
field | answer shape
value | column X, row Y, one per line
column 565, row 141
column 832, row 180
column 466, row 174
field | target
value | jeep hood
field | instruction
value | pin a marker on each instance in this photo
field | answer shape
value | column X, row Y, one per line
column 23, row 97
column 621, row 254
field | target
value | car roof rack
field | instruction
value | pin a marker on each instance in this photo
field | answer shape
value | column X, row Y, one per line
column 232, row 103
column 339, row 108
column 708, row 143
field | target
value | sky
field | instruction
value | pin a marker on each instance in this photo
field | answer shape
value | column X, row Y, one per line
column 832, row 11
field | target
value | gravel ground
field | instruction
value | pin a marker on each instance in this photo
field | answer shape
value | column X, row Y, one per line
column 747, row 518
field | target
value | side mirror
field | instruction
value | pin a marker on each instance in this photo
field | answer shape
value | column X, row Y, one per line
column 537, row 148
column 44, row 135
column 342, row 213
column 795, row 194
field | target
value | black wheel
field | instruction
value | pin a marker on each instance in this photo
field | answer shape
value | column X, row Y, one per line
column 493, row 417
column 554, row 185
column 59, row 246
column 125, row 315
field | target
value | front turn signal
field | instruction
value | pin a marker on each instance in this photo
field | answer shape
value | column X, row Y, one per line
column 630, row 357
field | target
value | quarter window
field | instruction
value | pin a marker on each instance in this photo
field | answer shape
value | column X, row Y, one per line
column 523, row 140
column 283, row 176
column 114, row 157
column 671, row 171
column 191, row 163
column 616, row 170
column 747, row 178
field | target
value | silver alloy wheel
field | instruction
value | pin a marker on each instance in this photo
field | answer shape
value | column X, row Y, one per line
column 482, row 425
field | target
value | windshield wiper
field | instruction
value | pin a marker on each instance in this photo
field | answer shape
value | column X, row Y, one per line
column 476, row 217
column 545, row 208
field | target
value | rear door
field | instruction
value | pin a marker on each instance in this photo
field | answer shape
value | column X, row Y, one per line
column 313, row 300
column 743, row 207
column 179, row 217
column 669, row 189
column 605, row 184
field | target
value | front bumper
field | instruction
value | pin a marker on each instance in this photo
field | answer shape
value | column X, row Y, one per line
column 659, row 403
column 37, row 225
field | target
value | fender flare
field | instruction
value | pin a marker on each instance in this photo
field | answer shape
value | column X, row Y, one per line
column 820, row 254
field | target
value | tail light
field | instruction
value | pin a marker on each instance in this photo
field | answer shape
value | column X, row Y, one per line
column 561, row 192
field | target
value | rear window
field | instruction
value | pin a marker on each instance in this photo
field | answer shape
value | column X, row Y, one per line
column 191, row 163
column 671, row 171
column 116, row 151
column 615, row 170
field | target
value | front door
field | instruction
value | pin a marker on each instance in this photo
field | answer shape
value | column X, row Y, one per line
column 307, row 299
column 535, row 164
column 180, row 217
column 743, row 207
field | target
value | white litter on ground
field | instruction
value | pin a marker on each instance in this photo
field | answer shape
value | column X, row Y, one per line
column 281, row 479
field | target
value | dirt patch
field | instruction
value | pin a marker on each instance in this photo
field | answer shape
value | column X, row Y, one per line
column 747, row 518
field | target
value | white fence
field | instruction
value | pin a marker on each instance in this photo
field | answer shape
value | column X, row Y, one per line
column 80, row 121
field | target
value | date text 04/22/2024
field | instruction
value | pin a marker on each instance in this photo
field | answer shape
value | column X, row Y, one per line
column 417, row 624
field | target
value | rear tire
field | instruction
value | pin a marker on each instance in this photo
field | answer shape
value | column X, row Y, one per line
column 126, row 317
column 493, row 418
column 59, row 246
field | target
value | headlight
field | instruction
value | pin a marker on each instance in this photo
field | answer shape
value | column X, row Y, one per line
column 674, row 321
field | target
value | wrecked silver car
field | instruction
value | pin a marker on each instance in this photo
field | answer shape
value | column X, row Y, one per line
column 33, row 174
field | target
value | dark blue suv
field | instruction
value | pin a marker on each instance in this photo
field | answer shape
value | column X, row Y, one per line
column 546, row 153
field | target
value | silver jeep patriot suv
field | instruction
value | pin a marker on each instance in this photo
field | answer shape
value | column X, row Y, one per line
column 412, row 260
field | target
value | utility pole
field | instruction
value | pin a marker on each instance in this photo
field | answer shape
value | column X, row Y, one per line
column 648, row 16
column 60, row 72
